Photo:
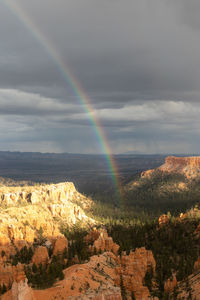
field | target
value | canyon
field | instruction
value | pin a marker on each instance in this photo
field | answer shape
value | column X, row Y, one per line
column 34, row 221
column 31, row 218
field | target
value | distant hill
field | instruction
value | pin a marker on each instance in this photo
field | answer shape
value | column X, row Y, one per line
column 90, row 173
column 173, row 186
column 11, row 182
column 187, row 166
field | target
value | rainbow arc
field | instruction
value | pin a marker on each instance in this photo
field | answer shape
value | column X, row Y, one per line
column 74, row 84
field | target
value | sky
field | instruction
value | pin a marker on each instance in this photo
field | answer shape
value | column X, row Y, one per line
column 138, row 62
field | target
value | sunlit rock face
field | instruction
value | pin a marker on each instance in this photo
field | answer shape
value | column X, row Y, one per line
column 40, row 256
column 21, row 291
column 100, row 241
column 132, row 269
column 98, row 279
column 32, row 214
column 60, row 192
column 60, row 245
column 188, row 166
column 28, row 211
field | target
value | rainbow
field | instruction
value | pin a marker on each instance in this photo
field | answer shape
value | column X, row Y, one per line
column 76, row 88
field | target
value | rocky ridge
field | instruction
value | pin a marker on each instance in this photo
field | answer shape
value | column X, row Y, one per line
column 34, row 214
column 31, row 212
column 188, row 166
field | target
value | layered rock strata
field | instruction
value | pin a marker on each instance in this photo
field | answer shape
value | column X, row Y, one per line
column 188, row 166
column 33, row 215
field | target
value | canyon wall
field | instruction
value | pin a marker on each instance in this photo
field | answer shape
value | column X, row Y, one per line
column 188, row 166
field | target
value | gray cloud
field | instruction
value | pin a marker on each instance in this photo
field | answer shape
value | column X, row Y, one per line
column 138, row 62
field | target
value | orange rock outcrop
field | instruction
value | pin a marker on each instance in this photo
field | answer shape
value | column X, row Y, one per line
column 98, row 279
column 30, row 213
column 93, row 280
column 103, row 242
column 20, row 291
column 36, row 210
column 188, row 166
column 132, row 270
column 9, row 274
column 92, row 236
column 60, row 245
column 163, row 219
column 40, row 256
column 170, row 284
column 193, row 283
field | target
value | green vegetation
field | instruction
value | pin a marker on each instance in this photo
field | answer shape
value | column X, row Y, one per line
column 77, row 246
column 44, row 276
column 161, row 192
column 175, row 247
column 23, row 256
column 3, row 289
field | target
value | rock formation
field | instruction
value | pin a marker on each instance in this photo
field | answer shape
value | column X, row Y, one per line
column 132, row 269
column 93, row 280
column 188, row 166
column 60, row 245
column 40, row 256
column 9, row 274
column 32, row 214
column 92, row 236
column 170, row 284
column 21, row 291
column 101, row 241
column 190, row 288
column 60, row 192
column 98, row 279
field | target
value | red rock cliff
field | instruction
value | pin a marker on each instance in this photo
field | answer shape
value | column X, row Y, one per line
column 133, row 268
column 189, row 166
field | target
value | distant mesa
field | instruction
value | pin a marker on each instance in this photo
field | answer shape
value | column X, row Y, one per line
column 188, row 166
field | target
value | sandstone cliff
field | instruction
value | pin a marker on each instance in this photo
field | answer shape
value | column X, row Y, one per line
column 188, row 166
column 30, row 214
column 132, row 269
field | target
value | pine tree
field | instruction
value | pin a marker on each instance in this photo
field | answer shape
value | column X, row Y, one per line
column 132, row 296
column 123, row 291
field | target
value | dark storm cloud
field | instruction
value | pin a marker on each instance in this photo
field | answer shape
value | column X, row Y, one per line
column 138, row 61
column 111, row 46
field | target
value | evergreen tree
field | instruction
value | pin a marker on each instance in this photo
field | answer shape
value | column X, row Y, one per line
column 123, row 291
column 132, row 296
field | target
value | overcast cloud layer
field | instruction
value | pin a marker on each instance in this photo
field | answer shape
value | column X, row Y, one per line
column 138, row 62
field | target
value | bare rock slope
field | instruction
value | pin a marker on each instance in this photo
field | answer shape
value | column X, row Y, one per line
column 31, row 211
